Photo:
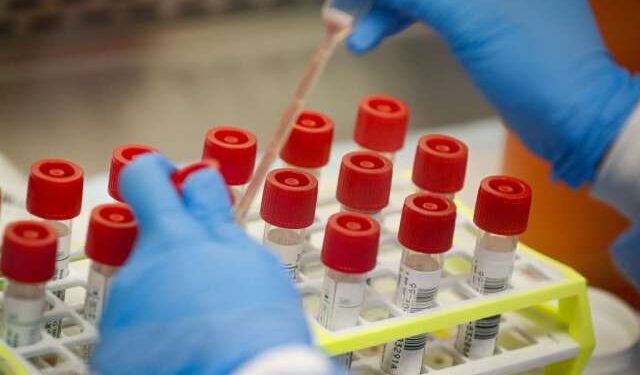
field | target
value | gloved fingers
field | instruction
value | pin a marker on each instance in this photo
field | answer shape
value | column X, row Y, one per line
column 207, row 199
column 380, row 23
column 146, row 186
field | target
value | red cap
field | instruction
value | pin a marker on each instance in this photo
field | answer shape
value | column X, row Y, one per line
column 381, row 124
column 309, row 143
column 503, row 205
column 441, row 164
column 123, row 156
column 289, row 199
column 364, row 182
column 351, row 243
column 29, row 252
column 180, row 176
column 111, row 235
column 235, row 149
column 55, row 189
column 427, row 223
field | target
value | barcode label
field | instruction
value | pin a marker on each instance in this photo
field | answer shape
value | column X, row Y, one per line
column 22, row 319
column 97, row 289
column 416, row 291
column 288, row 246
column 491, row 270
column 478, row 339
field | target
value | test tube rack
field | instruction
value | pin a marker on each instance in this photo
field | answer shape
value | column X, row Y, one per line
column 546, row 322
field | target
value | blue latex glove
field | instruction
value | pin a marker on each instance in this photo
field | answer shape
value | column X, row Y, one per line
column 541, row 63
column 197, row 296
column 626, row 255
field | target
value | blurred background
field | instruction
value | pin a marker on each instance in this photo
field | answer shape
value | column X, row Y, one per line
column 78, row 77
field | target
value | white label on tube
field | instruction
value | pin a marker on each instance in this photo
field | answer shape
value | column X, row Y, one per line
column 22, row 320
column 416, row 292
column 97, row 289
column 341, row 303
column 478, row 339
column 288, row 246
column 64, row 248
column 491, row 270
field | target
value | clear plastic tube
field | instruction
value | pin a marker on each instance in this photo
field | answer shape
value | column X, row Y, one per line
column 342, row 299
column 450, row 196
column 493, row 262
column 374, row 214
column 288, row 244
column 98, row 284
column 236, row 192
column 23, row 309
column 63, row 229
column 418, row 281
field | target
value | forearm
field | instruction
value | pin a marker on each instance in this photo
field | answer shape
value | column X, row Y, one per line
column 618, row 179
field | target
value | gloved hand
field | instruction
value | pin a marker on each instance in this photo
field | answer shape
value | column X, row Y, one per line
column 197, row 296
column 541, row 63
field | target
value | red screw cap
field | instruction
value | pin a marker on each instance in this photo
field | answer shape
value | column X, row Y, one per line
column 503, row 205
column 55, row 189
column 309, row 143
column 111, row 235
column 364, row 182
column 29, row 252
column 440, row 165
column 427, row 223
column 123, row 156
column 289, row 199
column 235, row 149
column 180, row 176
column 381, row 124
column 351, row 243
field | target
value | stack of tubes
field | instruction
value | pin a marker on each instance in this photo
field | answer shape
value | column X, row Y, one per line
column 288, row 209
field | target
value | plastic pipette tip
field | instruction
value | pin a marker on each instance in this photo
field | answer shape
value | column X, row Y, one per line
column 309, row 142
column 381, row 124
column 123, row 156
column 111, row 235
column 503, row 205
column 289, row 199
column 351, row 243
column 235, row 149
column 364, row 182
column 440, row 165
column 55, row 189
column 427, row 223
column 29, row 252
column 180, row 176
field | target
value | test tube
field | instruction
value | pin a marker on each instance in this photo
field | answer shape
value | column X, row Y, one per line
column 381, row 125
column 54, row 195
column 364, row 183
column 426, row 233
column 28, row 262
column 110, row 239
column 288, row 208
column 308, row 147
column 121, row 157
column 440, row 165
column 235, row 149
column 501, row 214
column 349, row 252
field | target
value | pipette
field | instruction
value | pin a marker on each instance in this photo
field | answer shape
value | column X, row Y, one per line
column 338, row 17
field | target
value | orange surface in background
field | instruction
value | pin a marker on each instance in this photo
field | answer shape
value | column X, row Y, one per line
column 571, row 226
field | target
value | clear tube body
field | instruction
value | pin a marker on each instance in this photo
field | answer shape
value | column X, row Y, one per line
column 22, row 315
column 288, row 244
column 63, row 229
column 237, row 191
column 450, row 196
column 98, row 284
column 342, row 299
column 374, row 214
column 493, row 262
column 418, row 282
column 315, row 172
